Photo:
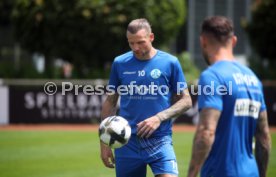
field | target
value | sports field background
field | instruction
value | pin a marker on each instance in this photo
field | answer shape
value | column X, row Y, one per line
column 74, row 152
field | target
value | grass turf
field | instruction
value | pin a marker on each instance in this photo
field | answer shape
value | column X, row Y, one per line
column 74, row 154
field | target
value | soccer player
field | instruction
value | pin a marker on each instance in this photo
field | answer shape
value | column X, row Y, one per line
column 152, row 91
column 232, row 113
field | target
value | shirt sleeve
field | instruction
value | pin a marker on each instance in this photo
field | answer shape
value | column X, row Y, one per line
column 178, row 81
column 207, row 95
column 114, row 81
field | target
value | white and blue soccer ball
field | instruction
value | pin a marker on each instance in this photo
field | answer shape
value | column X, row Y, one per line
column 114, row 131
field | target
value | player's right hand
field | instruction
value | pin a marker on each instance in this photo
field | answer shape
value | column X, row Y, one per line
column 148, row 126
column 107, row 156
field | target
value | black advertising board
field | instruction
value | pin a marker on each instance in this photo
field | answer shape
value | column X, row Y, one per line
column 32, row 105
column 270, row 100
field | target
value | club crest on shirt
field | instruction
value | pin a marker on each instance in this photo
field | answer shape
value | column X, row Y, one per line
column 155, row 73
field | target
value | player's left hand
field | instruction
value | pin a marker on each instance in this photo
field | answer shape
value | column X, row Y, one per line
column 148, row 126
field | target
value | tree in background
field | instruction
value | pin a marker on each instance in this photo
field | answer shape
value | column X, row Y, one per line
column 90, row 33
column 262, row 34
column 189, row 68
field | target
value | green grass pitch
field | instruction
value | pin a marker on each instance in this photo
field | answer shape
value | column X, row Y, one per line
column 74, row 154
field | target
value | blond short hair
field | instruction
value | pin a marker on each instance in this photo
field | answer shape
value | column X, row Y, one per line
column 136, row 25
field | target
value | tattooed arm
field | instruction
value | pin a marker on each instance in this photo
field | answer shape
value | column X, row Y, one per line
column 108, row 109
column 204, row 139
column 263, row 143
column 182, row 102
column 109, row 106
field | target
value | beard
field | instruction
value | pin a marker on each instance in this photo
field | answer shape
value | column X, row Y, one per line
column 142, row 54
column 145, row 53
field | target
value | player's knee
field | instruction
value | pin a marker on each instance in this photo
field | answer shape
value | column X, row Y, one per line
column 166, row 175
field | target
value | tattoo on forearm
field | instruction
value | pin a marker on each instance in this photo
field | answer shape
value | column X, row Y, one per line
column 112, row 99
column 203, row 139
column 181, row 104
column 263, row 144
column 109, row 106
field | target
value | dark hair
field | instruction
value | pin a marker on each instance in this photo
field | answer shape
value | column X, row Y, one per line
column 219, row 27
column 135, row 25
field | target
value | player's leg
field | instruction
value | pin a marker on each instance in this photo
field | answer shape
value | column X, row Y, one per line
column 127, row 167
column 128, row 162
column 165, row 166
column 162, row 159
column 166, row 175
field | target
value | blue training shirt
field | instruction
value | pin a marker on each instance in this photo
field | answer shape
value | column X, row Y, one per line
column 238, row 95
column 146, row 87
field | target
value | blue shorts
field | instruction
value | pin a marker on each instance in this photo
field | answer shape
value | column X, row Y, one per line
column 132, row 159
